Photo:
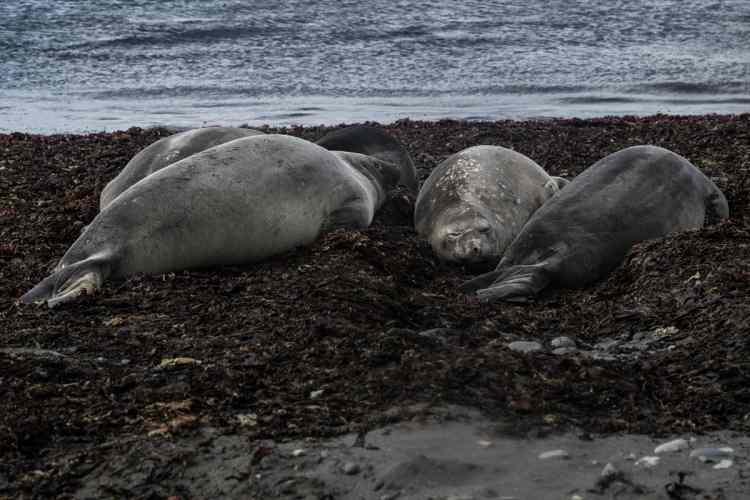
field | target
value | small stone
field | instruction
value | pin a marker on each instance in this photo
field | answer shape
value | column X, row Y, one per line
column 561, row 351
column 724, row 464
column 671, row 446
column 525, row 346
column 562, row 342
column 665, row 331
column 484, row 444
column 712, row 454
column 298, row 452
column 390, row 496
column 562, row 454
column 632, row 457
column 576, row 497
column 248, row 420
column 350, row 468
column 316, row 394
column 609, row 470
column 647, row 462
column 175, row 362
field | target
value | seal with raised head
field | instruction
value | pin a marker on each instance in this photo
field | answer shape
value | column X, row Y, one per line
column 235, row 203
column 581, row 235
column 476, row 201
column 166, row 151
column 373, row 141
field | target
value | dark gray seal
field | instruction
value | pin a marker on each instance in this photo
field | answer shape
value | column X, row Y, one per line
column 582, row 234
column 373, row 141
column 235, row 203
column 166, row 151
column 476, row 201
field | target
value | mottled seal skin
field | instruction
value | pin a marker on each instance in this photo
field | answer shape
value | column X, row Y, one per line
column 235, row 203
column 582, row 234
column 166, row 151
column 374, row 141
column 476, row 201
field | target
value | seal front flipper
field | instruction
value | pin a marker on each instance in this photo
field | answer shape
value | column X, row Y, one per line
column 67, row 283
column 517, row 283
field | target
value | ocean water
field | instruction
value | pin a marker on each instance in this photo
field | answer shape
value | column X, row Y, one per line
column 89, row 65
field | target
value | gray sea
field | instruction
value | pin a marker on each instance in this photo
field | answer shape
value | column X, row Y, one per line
column 91, row 65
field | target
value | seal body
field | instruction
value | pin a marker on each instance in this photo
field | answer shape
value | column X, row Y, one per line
column 581, row 235
column 476, row 201
column 236, row 203
column 374, row 141
column 166, row 151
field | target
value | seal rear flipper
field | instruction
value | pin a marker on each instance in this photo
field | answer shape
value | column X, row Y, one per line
column 716, row 208
column 561, row 182
column 517, row 283
column 68, row 283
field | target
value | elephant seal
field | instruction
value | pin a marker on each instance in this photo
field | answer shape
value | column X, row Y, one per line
column 476, row 201
column 235, row 203
column 166, row 151
column 582, row 234
column 373, row 141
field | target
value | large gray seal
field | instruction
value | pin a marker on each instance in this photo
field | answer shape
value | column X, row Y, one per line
column 235, row 203
column 476, row 201
column 166, row 151
column 373, row 141
column 581, row 235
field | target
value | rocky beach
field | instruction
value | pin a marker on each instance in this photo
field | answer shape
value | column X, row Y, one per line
column 314, row 374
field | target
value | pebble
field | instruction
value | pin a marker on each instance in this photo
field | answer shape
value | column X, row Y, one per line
column 562, row 342
column 316, row 394
column 609, row 470
column 724, row 464
column 525, row 346
column 560, row 351
column 671, row 446
column 350, row 468
column 712, row 454
column 554, row 454
column 298, row 452
column 647, row 462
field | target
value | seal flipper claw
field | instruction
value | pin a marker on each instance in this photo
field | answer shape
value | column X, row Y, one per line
column 517, row 283
column 481, row 281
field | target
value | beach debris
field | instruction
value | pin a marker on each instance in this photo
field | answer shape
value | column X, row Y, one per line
column 671, row 446
column 561, row 454
column 525, row 346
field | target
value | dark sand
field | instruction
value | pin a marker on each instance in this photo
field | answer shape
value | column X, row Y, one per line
column 376, row 323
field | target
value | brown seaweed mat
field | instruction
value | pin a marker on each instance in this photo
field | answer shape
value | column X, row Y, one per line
column 360, row 329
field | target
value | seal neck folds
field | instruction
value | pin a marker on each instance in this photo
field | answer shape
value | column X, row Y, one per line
column 381, row 175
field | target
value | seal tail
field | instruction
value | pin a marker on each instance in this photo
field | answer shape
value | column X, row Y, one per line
column 69, row 282
column 512, row 284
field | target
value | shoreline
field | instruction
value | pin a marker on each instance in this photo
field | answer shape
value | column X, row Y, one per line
column 369, row 318
column 393, row 123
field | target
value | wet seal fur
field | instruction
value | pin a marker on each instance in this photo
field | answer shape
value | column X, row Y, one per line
column 235, row 203
column 373, row 141
column 581, row 235
column 476, row 201
column 166, row 151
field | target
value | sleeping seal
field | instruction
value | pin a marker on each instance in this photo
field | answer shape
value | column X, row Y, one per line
column 476, row 201
column 373, row 141
column 235, row 203
column 582, row 234
column 166, row 151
